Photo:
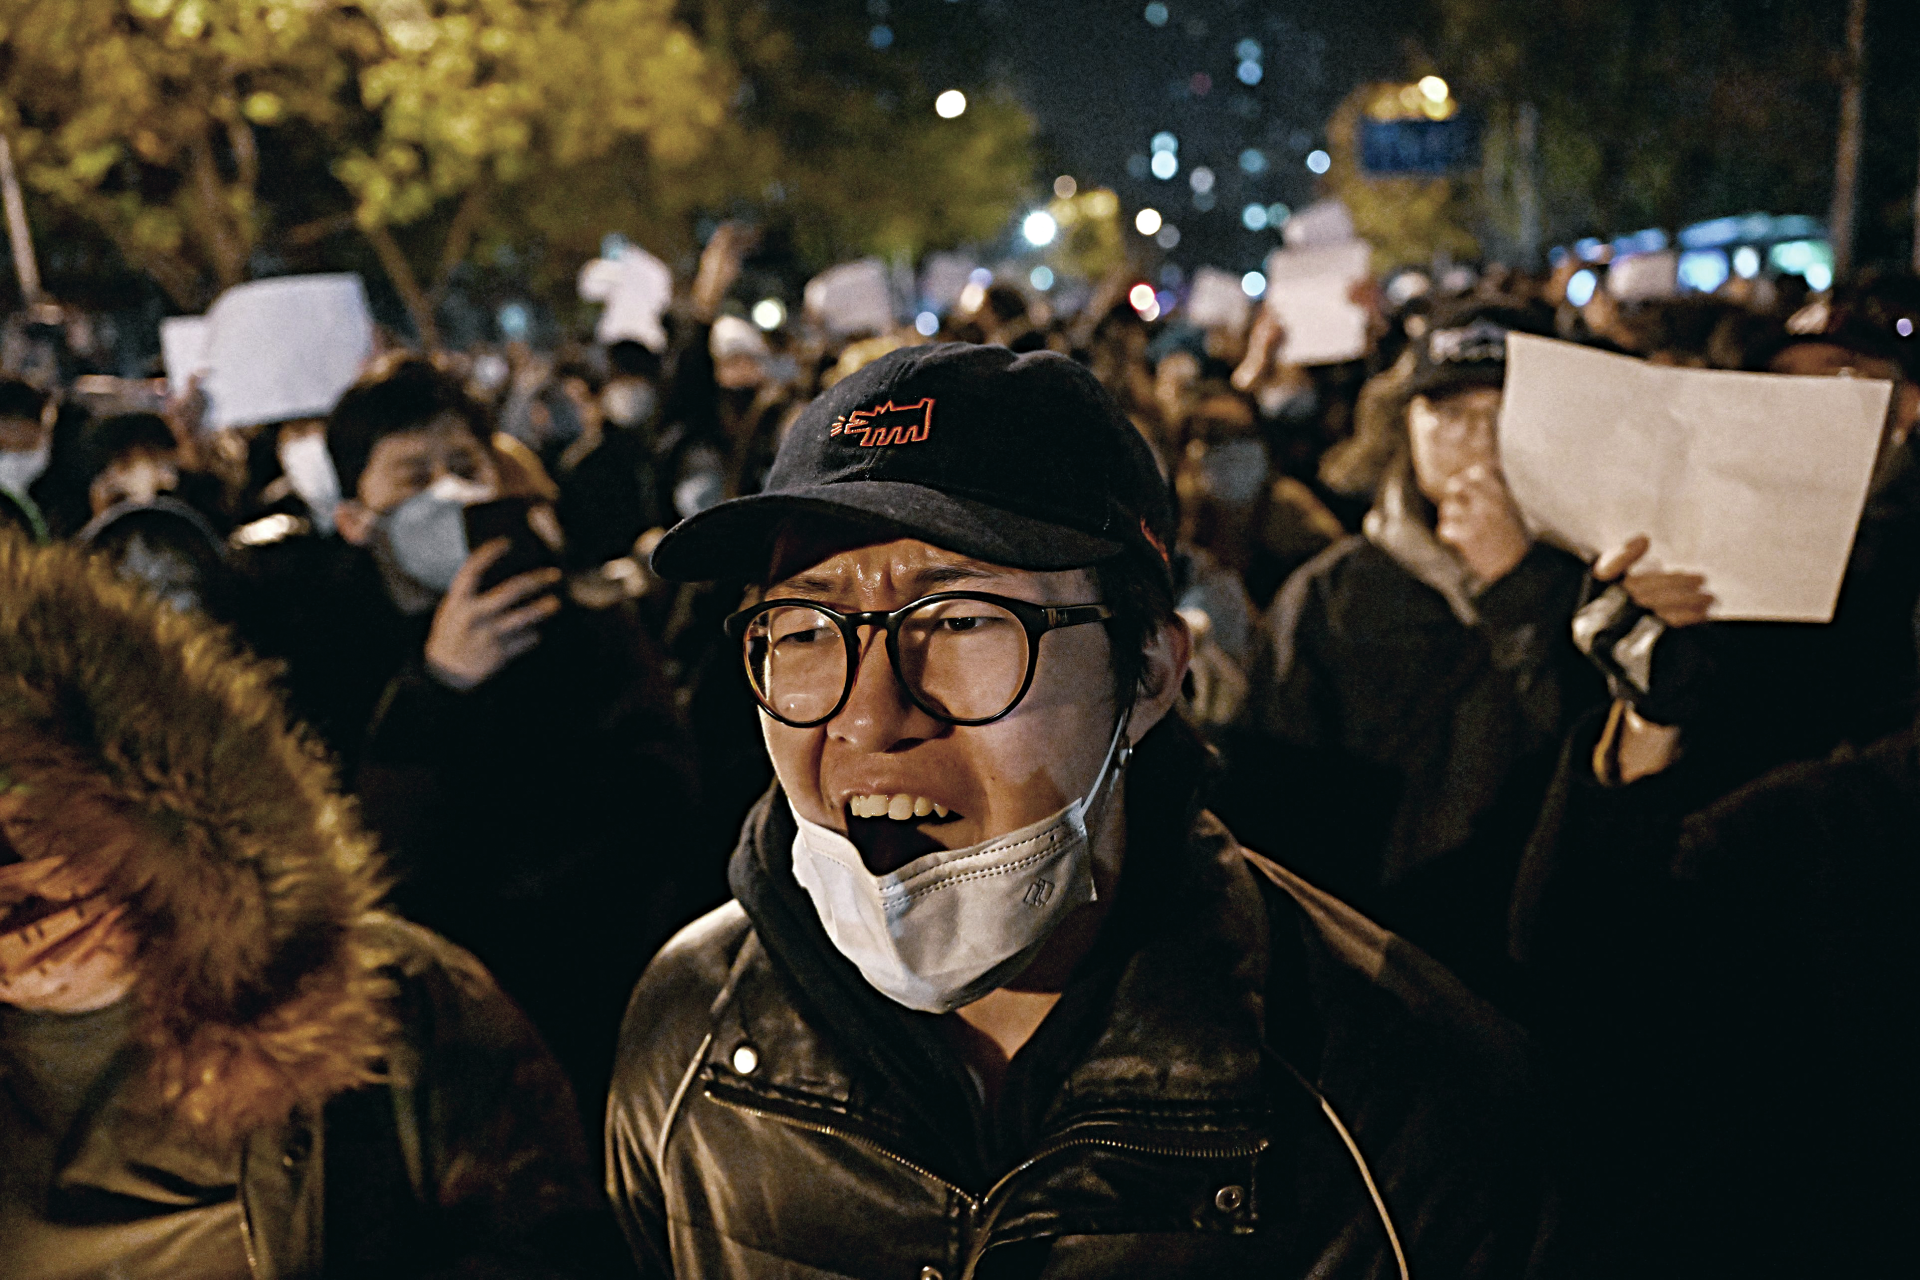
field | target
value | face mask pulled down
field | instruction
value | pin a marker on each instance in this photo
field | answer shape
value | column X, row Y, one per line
column 948, row 928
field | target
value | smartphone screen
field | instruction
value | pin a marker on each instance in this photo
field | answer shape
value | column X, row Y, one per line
column 507, row 518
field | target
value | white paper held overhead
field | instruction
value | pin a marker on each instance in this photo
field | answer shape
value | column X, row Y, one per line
column 637, row 289
column 1308, row 293
column 285, row 348
column 1755, row 480
column 183, row 350
column 851, row 299
column 1217, row 301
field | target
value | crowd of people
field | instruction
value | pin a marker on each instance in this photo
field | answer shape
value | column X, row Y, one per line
column 378, row 754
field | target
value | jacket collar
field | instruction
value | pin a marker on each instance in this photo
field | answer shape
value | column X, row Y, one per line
column 1395, row 528
column 1177, row 1017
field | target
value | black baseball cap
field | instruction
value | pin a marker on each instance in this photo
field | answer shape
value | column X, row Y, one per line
column 1466, row 347
column 1019, row 460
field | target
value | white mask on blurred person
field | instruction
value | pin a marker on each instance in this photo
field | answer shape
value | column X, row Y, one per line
column 427, row 534
column 20, row 469
column 628, row 402
column 309, row 471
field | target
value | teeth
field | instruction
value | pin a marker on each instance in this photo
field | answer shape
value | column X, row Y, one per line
column 900, row 806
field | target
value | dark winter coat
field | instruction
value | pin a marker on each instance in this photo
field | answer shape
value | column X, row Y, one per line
column 1225, row 1084
column 1403, row 725
column 357, row 1084
column 1728, row 983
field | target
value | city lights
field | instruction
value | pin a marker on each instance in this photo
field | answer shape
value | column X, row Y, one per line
column 1253, row 160
column 1041, row 278
column 1169, row 236
column 1156, row 14
column 1141, row 298
column 1580, row 288
column 1319, row 161
column 1039, row 228
column 769, row 313
column 1065, row 187
column 1249, row 72
column 1201, row 179
column 1164, row 165
column 1433, row 88
column 950, row 104
column 1746, row 262
column 1163, row 141
column 1253, row 284
column 1254, row 217
column 1147, row 221
column 926, row 324
column 1277, row 214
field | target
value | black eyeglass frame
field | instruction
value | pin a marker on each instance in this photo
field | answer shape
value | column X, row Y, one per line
column 1036, row 619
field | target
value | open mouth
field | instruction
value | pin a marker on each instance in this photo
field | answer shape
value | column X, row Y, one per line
column 892, row 830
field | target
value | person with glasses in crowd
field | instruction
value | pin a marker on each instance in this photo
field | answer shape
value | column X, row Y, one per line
column 995, row 994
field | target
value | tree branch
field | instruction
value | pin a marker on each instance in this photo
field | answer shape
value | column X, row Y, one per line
column 400, row 272
column 466, row 223
column 208, row 211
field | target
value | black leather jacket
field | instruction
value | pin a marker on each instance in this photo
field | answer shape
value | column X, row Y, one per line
column 1272, row 1082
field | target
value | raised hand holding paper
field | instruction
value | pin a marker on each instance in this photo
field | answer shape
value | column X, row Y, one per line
column 1755, row 480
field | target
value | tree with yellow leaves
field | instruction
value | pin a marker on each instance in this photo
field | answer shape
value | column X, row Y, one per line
column 195, row 133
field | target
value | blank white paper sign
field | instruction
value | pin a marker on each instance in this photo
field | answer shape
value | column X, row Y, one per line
column 183, row 350
column 852, row 298
column 285, row 348
column 1217, row 300
column 1755, row 480
column 1307, row 292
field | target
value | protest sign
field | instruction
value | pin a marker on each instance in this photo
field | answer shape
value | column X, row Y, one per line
column 284, row 348
column 637, row 289
column 1217, row 300
column 1308, row 293
column 851, row 299
column 183, row 350
column 1755, row 480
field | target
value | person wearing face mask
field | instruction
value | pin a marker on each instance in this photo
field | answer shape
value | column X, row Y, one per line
column 26, row 450
column 1419, row 678
column 613, row 494
column 500, row 738
column 996, row 996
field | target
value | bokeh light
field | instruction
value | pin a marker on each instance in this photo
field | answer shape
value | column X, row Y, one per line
column 1156, row 14
column 950, row 104
column 1039, row 228
column 1253, row 284
column 1147, row 221
column 1201, row 179
column 1065, row 187
column 1164, row 165
column 1041, row 278
column 1433, row 88
column 1254, row 217
column 1168, row 237
column 926, row 324
column 1319, row 161
column 769, row 313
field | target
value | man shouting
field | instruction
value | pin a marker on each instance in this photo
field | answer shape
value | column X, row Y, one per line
column 995, row 995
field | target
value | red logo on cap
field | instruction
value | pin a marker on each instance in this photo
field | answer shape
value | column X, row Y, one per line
column 1153, row 540
column 889, row 424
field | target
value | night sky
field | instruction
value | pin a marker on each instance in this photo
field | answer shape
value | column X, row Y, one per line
column 1103, row 79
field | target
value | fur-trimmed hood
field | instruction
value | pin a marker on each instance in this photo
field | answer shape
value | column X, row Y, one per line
column 150, row 744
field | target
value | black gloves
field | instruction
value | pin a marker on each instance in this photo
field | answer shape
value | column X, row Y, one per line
column 1663, row 671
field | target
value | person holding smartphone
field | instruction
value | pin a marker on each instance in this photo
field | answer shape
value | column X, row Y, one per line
column 500, row 737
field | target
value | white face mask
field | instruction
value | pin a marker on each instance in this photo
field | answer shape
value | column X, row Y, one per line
column 309, row 470
column 628, row 402
column 18, row 470
column 428, row 532
column 947, row 928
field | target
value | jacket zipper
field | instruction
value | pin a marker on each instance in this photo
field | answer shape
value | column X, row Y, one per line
column 812, row 1126
column 1233, row 1151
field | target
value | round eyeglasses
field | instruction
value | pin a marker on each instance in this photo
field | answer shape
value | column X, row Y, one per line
column 964, row 657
